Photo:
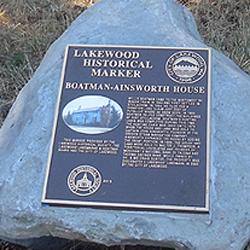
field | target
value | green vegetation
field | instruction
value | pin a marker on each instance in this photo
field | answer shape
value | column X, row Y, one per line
column 27, row 29
column 225, row 25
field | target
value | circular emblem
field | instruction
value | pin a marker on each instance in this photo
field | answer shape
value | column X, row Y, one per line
column 84, row 180
column 185, row 67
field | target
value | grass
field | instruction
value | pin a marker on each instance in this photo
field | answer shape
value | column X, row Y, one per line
column 225, row 25
column 28, row 27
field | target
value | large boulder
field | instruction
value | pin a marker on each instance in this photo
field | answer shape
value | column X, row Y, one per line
column 26, row 133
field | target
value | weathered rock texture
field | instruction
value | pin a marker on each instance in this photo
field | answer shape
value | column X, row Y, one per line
column 26, row 133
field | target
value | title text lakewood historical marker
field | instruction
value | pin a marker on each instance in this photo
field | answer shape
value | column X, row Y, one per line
column 131, row 129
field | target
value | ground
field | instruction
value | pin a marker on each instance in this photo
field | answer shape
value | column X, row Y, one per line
column 28, row 27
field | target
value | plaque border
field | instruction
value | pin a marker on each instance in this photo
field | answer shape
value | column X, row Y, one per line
column 115, row 205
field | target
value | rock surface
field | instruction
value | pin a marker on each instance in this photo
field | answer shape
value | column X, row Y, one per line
column 26, row 133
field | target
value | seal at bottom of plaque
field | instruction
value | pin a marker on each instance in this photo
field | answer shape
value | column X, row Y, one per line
column 84, row 180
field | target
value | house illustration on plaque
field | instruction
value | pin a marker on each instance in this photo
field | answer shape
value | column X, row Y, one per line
column 85, row 117
column 92, row 114
column 94, row 117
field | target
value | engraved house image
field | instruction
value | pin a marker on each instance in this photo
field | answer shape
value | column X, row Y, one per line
column 96, row 116
column 92, row 114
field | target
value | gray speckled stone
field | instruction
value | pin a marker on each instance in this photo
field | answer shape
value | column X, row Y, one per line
column 25, row 136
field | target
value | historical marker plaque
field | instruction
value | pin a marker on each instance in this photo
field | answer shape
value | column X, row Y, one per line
column 131, row 129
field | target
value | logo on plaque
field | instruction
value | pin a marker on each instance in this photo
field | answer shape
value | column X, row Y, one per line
column 185, row 67
column 84, row 180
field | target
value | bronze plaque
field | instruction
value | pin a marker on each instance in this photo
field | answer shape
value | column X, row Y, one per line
column 131, row 129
